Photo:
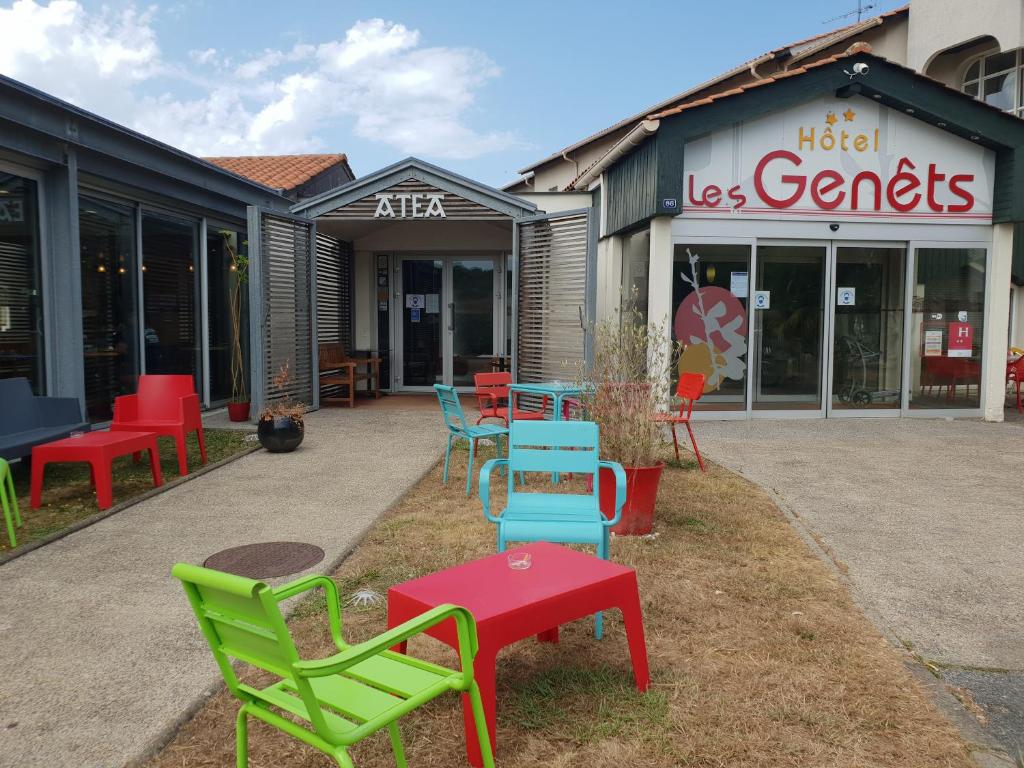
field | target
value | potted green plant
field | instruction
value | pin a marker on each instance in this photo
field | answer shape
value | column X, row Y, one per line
column 622, row 392
column 238, row 405
column 281, row 427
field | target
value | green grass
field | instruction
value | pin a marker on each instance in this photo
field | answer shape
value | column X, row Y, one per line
column 69, row 498
column 608, row 705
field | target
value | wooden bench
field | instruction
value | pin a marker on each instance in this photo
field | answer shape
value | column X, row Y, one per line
column 337, row 369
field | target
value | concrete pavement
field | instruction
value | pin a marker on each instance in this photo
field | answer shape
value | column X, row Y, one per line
column 925, row 517
column 100, row 651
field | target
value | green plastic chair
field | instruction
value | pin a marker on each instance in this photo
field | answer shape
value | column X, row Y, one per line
column 341, row 699
column 9, row 501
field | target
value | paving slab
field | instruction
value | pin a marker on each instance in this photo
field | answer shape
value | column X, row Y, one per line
column 101, row 653
column 923, row 515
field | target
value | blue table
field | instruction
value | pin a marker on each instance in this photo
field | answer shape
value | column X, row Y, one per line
column 556, row 390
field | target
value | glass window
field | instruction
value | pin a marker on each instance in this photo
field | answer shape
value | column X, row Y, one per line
column 21, row 312
column 228, row 292
column 170, row 291
column 636, row 260
column 996, row 79
column 1001, row 90
column 947, row 328
column 710, row 290
column 110, row 332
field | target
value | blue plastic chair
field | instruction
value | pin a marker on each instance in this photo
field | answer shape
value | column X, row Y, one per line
column 563, row 518
column 9, row 501
column 458, row 427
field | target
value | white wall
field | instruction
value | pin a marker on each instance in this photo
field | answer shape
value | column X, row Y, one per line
column 996, row 341
column 554, row 202
column 936, row 25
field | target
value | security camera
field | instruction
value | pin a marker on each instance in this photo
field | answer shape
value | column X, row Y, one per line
column 834, row 227
column 860, row 68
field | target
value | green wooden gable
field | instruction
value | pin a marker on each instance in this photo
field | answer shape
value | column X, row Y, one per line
column 647, row 182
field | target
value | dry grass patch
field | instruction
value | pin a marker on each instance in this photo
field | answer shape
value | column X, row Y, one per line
column 758, row 655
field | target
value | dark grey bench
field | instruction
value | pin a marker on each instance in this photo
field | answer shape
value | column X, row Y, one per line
column 27, row 420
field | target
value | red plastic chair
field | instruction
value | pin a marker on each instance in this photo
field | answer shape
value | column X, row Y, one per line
column 492, row 390
column 691, row 387
column 166, row 405
column 1015, row 375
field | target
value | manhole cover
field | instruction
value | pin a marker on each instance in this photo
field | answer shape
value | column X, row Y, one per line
column 266, row 560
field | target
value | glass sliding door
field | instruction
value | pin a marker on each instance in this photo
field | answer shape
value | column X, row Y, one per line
column 21, row 309
column 422, row 298
column 947, row 328
column 228, row 312
column 710, row 299
column 170, row 295
column 472, row 311
column 789, row 315
column 110, row 305
column 867, row 327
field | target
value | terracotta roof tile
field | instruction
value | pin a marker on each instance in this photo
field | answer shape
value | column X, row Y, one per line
column 279, row 171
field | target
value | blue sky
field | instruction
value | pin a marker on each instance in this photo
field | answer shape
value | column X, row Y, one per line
column 482, row 88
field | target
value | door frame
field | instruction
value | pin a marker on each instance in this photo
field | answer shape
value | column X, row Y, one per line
column 397, row 313
column 826, row 330
column 874, row 413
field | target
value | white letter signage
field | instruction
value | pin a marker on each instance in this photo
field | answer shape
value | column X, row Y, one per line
column 409, row 206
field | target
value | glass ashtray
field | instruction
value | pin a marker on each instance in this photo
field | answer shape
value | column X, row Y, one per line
column 520, row 561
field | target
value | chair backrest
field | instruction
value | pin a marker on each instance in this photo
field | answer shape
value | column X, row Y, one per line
column 332, row 355
column 1017, row 367
column 553, row 446
column 451, row 409
column 19, row 406
column 241, row 620
column 159, row 394
column 496, row 384
column 689, row 389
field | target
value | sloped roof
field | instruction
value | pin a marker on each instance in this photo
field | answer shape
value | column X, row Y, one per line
column 797, row 50
column 280, row 171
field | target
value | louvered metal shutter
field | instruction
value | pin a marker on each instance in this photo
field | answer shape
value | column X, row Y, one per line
column 334, row 285
column 554, row 296
column 284, row 290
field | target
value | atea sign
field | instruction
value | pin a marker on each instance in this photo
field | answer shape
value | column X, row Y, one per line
column 838, row 159
column 412, row 205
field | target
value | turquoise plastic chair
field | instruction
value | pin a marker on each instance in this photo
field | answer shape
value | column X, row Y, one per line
column 9, row 501
column 563, row 518
column 458, row 427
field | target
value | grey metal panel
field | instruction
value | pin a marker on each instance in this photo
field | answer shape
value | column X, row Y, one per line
column 314, row 356
column 413, row 168
column 61, row 263
column 553, row 286
column 631, row 188
column 257, row 313
column 287, row 304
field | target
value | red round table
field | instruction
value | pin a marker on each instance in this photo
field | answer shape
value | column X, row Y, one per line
column 562, row 585
column 99, row 449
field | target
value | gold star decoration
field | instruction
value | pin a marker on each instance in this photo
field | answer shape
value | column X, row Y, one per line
column 849, row 114
column 830, row 118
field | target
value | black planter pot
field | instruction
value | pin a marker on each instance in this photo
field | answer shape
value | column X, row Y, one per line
column 280, row 434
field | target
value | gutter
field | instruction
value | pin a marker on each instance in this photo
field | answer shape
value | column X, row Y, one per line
column 622, row 147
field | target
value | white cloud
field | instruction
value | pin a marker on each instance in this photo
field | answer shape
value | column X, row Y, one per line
column 377, row 77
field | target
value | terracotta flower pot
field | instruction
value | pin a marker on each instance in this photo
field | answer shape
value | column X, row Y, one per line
column 281, row 434
column 641, row 493
column 238, row 411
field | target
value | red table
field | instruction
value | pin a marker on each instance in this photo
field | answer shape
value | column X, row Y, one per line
column 509, row 605
column 99, row 449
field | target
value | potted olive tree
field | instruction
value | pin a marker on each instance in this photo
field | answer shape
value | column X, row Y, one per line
column 622, row 392
column 238, row 405
column 281, row 428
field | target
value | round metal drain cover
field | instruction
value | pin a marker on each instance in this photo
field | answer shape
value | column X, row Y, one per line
column 267, row 559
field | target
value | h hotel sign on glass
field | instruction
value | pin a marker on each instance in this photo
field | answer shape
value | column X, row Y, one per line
column 838, row 159
column 411, row 205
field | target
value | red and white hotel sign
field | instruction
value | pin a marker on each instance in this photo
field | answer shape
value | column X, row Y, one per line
column 839, row 159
